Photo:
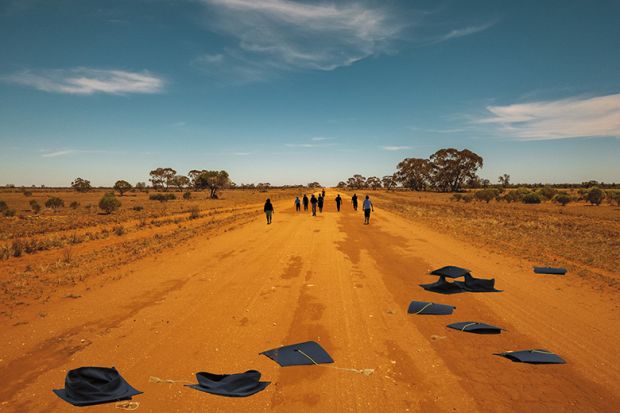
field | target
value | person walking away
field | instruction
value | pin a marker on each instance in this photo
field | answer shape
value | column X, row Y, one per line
column 268, row 208
column 320, row 203
column 367, row 207
column 305, row 201
column 354, row 201
column 338, row 202
column 297, row 204
column 323, row 194
column 313, row 201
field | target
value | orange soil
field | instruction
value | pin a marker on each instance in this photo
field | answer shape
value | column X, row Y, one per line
column 214, row 304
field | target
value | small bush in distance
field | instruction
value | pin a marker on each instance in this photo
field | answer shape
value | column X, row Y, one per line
column 614, row 196
column 162, row 197
column 194, row 212
column 547, row 192
column 118, row 230
column 9, row 212
column 187, row 195
column 109, row 203
column 486, row 194
column 54, row 203
column 595, row 196
column 531, row 198
column 138, row 208
column 562, row 199
column 74, row 205
column 27, row 193
column 122, row 186
column 3, row 206
column 467, row 198
column 457, row 197
column 34, row 205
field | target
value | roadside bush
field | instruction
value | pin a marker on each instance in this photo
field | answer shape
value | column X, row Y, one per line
column 118, row 230
column 17, row 248
column 467, row 198
column 486, row 194
column 34, row 205
column 531, row 198
column 3, row 206
column 457, row 197
column 9, row 212
column 109, row 203
column 162, row 197
column 595, row 196
column 138, row 208
column 74, row 205
column 54, row 203
column 614, row 196
column 187, row 195
column 194, row 212
column 562, row 199
column 547, row 192
column 27, row 193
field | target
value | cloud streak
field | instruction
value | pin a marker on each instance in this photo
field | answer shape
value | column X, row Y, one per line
column 573, row 117
column 395, row 148
column 88, row 81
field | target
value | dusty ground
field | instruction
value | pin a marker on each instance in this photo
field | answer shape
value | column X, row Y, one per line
column 238, row 287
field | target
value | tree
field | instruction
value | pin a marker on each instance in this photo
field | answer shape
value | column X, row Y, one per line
column 341, row 185
column 562, row 198
column 504, row 180
column 595, row 196
column 140, row 186
column 212, row 180
column 414, row 173
column 109, row 203
column 122, row 186
column 54, row 203
column 389, row 181
column 81, row 185
column 161, row 178
column 373, row 182
column 180, row 182
column 314, row 185
column 451, row 168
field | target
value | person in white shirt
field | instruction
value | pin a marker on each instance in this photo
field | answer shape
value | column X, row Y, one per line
column 367, row 208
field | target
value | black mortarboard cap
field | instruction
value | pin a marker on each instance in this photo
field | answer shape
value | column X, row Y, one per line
column 443, row 287
column 478, row 285
column 300, row 354
column 451, row 271
column 550, row 270
column 424, row 308
column 231, row 385
column 475, row 327
column 536, row 356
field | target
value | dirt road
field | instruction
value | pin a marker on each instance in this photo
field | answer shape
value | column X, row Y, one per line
column 214, row 304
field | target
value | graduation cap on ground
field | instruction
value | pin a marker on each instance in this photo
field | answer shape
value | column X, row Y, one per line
column 536, row 356
column 424, row 308
column 451, row 271
column 475, row 327
column 86, row 386
column 478, row 285
column 443, row 287
column 309, row 352
column 550, row 270
column 231, row 385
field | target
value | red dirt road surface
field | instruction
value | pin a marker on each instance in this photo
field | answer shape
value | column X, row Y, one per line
column 214, row 304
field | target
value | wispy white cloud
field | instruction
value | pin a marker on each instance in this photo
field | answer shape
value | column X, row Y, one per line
column 395, row 148
column 58, row 153
column 68, row 152
column 242, row 153
column 464, row 31
column 557, row 119
column 320, row 139
column 291, row 35
column 88, row 81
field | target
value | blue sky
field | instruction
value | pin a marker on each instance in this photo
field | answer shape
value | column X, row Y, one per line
column 291, row 92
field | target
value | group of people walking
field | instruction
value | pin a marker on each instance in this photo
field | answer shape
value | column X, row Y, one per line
column 315, row 202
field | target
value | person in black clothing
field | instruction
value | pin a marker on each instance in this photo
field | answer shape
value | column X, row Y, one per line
column 323, row 194
column 305, row 202
column 297, row 204
column 268, row 208
column 354, row 201
column 313, row 201
column 338, row 202
column 320, row 203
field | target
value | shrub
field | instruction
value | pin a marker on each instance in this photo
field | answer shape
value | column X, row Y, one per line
column 3, row 206
column 547, row 192
column 457, row 197
column 74, row 205
column 194, row 212
column 109, row 203
column 34, row 205
column 17, row 248
column 27, row 193
column 486, row 194
column 531, row 198
column 9, row 212
column 138, row 208
column 118, row 230
column 562, row 199
column 54, row 203
column 595, row 196
column 162, row 197
column 187, row 195
column 614, row 196
column 467, row 198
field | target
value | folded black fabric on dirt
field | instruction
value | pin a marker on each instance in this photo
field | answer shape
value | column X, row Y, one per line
column 427, row 308
column 536, row 356
column 87, row 386
column 443, row 287
column 300, row 354
column 550, row 270
column 230, row 385
column 451, row 271
column 478, row 285
column 475, row 327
